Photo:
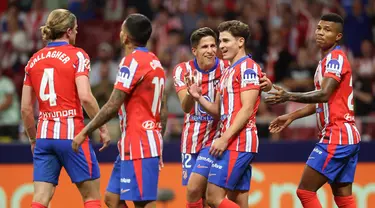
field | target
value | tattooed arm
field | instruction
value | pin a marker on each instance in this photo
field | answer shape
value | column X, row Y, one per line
column 108, row 111
column 329, row 85
column 164, row 113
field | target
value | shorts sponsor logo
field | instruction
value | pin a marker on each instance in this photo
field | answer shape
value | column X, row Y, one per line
column 201, row 166
column 125, row 180
column 217, row 166
column 205, row 159
column 317, row 151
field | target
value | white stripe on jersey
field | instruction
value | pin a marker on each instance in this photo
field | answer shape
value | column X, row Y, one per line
column 188, row 68
column 340, row 138
column 249, row 138
column 350, row 133
column 132, row 69
column 194, row 137
column 177, row 77
column 130, row 151
column 357, row 132
column 56, row 128
column 326, row 114
column 256, row 134
column 230, row 97
column 123, row 132
column 44, row 129
column 211, row 95
column 81, row 62
column 71, row 127
column 185, row 134
column 151, row 141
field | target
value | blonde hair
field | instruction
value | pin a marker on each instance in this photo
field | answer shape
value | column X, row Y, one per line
column 58, row 21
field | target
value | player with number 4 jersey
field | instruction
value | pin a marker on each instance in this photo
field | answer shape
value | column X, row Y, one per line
column 57, row 77
column 334, row 158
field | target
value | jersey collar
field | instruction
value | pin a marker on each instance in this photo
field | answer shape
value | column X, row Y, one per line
column 203, row 71
column 144, row 49
column 240, row 60
column 58, row 43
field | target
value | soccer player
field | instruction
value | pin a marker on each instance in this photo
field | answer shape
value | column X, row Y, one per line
column 200, row 128
column 137, row 98
column 57, row 76
column 334, row 158
column 236, row 103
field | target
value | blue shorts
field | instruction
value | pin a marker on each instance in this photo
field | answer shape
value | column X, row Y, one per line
column 135, row 180
column 337, row 162
column 188, row 163
column 232, row 170
column 51, row 155
column 203, row 162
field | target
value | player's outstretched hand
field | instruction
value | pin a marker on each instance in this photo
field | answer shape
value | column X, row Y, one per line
column 32, row 147
column 104, row 138
column 218, row 147
column 265, row 83
column 194, row 85
column 280, row 123
column 77, row 141
column 279, row 96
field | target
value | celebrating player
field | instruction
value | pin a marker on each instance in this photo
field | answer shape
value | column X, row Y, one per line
column 137, row 97
column 199, row 127
column 334, row 158
column 236, row 103
column 57, row 76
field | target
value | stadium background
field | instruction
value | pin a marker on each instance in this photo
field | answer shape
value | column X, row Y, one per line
column 282, row 41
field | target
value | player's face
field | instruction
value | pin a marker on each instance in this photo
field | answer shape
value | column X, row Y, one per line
column 229, row 45
column 72, row 33
column 327, row 34
column 205, row 52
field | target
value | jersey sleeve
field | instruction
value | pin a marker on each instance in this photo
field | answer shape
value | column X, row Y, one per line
column 249, row 78
column 178, row 77
column 27, row 80
column 82, row 64
column 129, row 74
column 335, row 66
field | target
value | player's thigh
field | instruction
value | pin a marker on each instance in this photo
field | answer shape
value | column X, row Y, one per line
column 196, row 187
column 341, row 189
column 139, row 179
column 112, row 200
column 46, row 164
column 214, row 194
column 349, row 162
column 89, row 189
column 81, row 166
column 241, row 198
column 188, row 163
column 311, row 180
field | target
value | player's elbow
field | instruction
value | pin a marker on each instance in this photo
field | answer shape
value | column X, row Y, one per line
column 186, row 109
column 26, row 110
column 324, row 96
column 86, row 99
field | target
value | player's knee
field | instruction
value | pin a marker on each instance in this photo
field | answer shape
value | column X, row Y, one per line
column 194, row 193
column 42, row 197
column 212, row 199
column 304, row 194
column 110, row 201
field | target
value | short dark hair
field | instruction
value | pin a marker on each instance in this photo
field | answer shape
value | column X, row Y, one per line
column 333, row 17
column 236, row 28
column 139, row 28
column 200, row 33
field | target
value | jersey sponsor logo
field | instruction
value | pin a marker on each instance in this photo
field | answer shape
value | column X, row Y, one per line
column 148, row 125
column 250, row 77
column 348, row 117
column 333, row 66
column 200, row 108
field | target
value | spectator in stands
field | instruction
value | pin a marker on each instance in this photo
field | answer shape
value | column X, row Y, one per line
column 105, row 61
column 102, row 90
column 33, row 21
column 9, row 109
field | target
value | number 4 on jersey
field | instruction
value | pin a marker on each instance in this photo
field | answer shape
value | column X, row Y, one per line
column 48, row 78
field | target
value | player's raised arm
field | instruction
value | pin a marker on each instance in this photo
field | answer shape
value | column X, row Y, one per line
column 281, row 122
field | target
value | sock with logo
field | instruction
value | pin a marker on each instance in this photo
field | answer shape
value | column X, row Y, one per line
column 37, row 205
column 226, row 203
column 197, row 204
column 93, row 204
column 308, row 199
column 345, row 201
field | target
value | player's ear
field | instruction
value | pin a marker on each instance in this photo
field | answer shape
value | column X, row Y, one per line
column 241, row 42
column 194, row 51
column 339, row 37
column 69, row 32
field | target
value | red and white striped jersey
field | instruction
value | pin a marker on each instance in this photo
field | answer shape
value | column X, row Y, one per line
column 142, row 78
column 241, row 76
column 51, row 72
column 199, row 127
column 336, row 117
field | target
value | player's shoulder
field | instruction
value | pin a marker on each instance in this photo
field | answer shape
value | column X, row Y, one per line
column 183, row 65
column 337, row 55
column 76, row 51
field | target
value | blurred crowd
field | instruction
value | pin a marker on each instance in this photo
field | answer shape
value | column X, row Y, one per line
column 282, row 42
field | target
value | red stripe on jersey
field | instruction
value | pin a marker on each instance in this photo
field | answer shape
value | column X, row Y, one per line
column 64, row 128
column 50, row 128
